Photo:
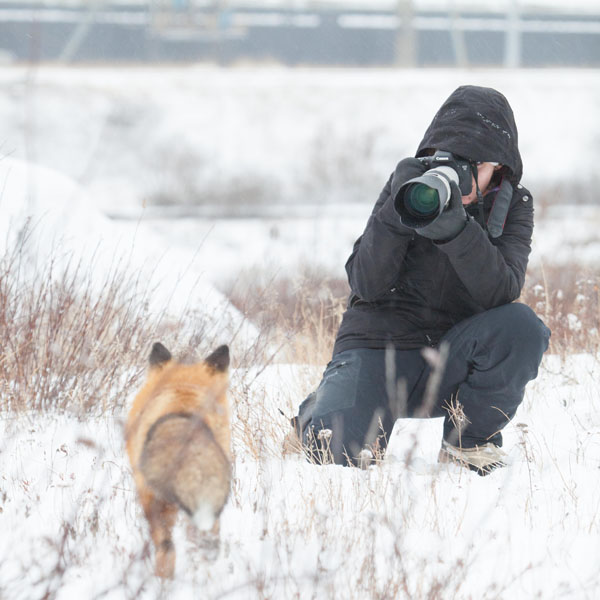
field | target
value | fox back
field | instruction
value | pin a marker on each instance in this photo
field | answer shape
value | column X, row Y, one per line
column 184, row 465
column 178, row 442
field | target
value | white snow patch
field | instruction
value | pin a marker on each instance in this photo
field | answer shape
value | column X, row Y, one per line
column 528, row 530
column 62, row 225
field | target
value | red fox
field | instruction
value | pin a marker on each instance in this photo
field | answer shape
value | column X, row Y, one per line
column 178, row 441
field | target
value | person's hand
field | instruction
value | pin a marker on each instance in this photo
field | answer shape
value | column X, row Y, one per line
column 406, row 169
column 450, row 223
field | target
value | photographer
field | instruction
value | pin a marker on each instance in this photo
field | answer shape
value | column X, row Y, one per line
column 442, row 278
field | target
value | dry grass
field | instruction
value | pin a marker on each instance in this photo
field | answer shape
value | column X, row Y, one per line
column 65, row 345
column 304, row 310
column 73, row 343
column 300, row 313
column 567, row 299
column 76, row 341
column 73, row 346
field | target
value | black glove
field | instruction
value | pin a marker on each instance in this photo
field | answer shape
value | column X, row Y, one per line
column 406, row 169
column 450, row 223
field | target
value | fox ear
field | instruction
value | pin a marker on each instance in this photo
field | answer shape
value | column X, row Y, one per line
column 219, row 359
column 159, row 355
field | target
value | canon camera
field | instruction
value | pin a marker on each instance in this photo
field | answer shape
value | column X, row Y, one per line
column 423, row 199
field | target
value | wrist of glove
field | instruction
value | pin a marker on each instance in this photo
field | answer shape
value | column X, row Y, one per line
column 450, row 223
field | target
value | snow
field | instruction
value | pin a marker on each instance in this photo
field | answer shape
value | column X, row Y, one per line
column 60, row 222
column 527, row 531
column 313, row 144
column 87, row 143
column 205, row 135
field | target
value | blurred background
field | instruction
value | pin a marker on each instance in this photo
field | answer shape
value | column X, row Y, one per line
column 255, row 136
column 197, row 172
column 409, row 33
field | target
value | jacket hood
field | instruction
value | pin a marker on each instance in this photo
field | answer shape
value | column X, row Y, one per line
column 476, row 123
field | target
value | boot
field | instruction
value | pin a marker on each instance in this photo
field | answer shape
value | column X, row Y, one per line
column 481, row 459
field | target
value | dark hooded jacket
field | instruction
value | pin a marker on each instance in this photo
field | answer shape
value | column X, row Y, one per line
column 408, row 290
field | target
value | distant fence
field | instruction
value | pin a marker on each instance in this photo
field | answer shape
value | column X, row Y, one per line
column 32, row 32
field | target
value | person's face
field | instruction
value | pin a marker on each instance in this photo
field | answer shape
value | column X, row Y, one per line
column 485, row 172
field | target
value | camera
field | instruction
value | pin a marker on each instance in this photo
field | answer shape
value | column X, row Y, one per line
column 421, row 200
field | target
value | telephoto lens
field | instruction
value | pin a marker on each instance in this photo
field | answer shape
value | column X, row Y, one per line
column 421, row 200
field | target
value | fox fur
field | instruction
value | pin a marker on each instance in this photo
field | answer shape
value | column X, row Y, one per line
column 178, row 440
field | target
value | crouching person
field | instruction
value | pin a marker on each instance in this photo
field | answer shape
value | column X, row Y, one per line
column 439, row 265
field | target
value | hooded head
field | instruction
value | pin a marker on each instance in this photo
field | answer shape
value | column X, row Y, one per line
column 478, row 124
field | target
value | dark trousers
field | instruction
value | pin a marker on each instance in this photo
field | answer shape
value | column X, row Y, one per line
column 490, row 358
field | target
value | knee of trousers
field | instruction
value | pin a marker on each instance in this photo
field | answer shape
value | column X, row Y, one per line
column 529, row 333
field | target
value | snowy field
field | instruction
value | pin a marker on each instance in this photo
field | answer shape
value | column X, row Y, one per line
column 407, row 528
column 303, row 154
column 316, row 145
column 200, row 135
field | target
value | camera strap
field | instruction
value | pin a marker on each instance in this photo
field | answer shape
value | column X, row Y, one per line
column 499, row 210
column 479, row 194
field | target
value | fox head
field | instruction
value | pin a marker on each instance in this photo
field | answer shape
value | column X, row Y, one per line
column 218, row 360
column 174, row 386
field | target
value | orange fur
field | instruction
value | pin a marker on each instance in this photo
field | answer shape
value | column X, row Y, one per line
column 178, row 442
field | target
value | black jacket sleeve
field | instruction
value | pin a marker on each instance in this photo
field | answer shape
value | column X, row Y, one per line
column 494, row 272
column 378, row 254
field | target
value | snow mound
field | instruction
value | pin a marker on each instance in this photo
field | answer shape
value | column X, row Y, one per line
column 51, row 218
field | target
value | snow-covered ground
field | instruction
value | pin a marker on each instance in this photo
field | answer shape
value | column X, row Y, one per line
column 205, row 135
column 60, row 223
column 397, row 530
column 314, row 147
column 315, row 144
